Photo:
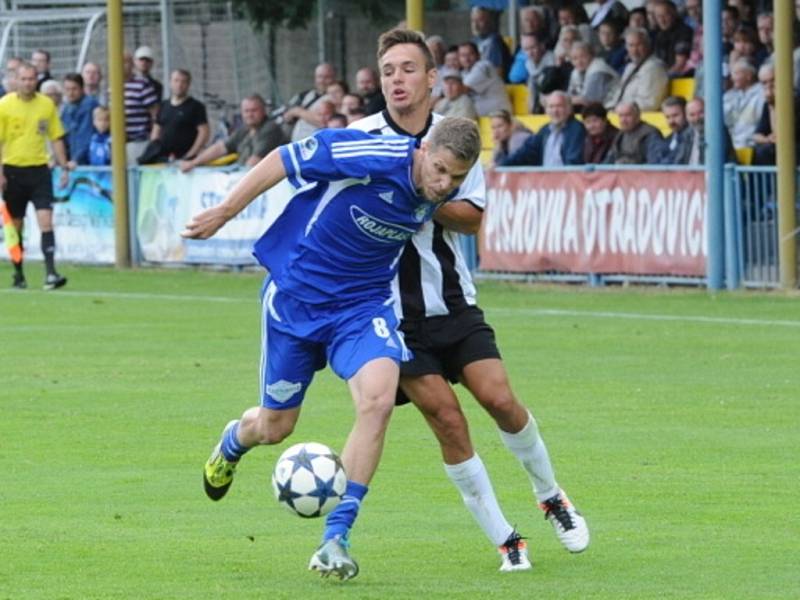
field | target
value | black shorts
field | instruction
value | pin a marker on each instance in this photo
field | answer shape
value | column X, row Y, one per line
column 27, row 184
column 445, row 345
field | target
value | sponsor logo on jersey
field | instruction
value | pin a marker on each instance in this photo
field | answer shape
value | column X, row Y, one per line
column 378, row 229
column 282, row 390
column 308, row 147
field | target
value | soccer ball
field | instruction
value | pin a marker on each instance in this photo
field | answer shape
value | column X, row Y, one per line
column 309, row 479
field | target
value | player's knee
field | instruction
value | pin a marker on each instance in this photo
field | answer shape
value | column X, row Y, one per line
column 376, row 407
column 500, row 402
column 449, row 423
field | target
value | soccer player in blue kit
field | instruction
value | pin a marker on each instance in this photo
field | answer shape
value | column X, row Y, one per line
column 332, row 256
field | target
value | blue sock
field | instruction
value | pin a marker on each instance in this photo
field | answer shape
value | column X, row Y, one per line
column 341, row 519
column 232, row 450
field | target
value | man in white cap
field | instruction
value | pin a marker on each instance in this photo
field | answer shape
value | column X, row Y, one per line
column 145, row 59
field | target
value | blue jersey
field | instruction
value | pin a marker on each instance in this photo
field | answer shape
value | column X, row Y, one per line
column 355, row 207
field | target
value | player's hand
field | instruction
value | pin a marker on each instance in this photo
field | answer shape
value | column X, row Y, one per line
column 2, row 182
column 63, row 180
column 185, row 165
column 205, row 224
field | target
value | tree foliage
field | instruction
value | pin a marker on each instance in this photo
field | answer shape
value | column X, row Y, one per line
column 297, row 13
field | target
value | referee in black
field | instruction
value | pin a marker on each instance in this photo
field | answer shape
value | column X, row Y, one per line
column 28, row 120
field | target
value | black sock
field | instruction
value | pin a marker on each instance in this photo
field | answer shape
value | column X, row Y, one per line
column 49, row 251
column 17, row 268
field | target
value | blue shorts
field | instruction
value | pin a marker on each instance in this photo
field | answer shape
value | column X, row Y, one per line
column 298, row 339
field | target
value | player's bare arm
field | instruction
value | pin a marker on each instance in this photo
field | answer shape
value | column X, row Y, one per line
column 460, row 216
column 262, row 177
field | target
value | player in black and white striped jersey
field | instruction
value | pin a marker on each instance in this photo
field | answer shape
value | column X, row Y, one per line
column 447, row 331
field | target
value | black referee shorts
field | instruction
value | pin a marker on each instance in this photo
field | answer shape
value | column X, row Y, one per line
column 27, row 184
column 445, row 345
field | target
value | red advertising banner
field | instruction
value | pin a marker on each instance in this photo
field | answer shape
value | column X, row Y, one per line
column 632, row 222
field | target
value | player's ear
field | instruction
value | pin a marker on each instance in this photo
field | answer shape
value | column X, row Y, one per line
column 432, row 74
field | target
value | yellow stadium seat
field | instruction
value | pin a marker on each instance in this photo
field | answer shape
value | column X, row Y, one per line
column 486, row 157
column 744, row 156
column 509, row 43
column 533, row 122
column 518, row 94
column 485, row 127
column 224, row 160
column 682, row 86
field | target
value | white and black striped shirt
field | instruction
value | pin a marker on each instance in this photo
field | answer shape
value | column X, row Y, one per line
column 433, row 278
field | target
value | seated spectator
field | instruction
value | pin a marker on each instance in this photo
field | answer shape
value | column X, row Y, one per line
column 350, row 104
column 600, row 133
column 456, row 101
column 765, row 136
column 451, row 59
column 694, row 18
column 490, row 44
column 572, row 14
column 92, row 78
column 682, row 66
column 337, row 121
column 53, row 90
column 568, row 35
column 300, row 115
column 609, row 11
column 730, row 23
column 485, row 86
column 76, row 115
column 745, row 47
column 558, row 143
column 537, row 58
column 100, row 142
column 671, row 31
column 324, row 111
column 438, row 50
column 591, row 80
column 695, row 116
column 508, row 135
column 637, row 142
column 765, row 24
column 336, row 92
column 252, row 142
column 369, row 88
column 678, row 145
column 612, row 48
column 637, row 19
column 742, row 104
column 644, row 80
column 181, row 128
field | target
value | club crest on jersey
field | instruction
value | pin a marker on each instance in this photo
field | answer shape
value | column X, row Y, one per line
column 378, row 229
column 422, row 212
column 308, row 147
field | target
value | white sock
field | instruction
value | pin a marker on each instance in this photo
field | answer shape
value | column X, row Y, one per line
column 529, row 448
column 472, row 480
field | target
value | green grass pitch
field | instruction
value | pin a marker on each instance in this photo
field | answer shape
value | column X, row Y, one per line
column 671, row 417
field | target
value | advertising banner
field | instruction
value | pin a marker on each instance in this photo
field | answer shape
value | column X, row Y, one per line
column 83, row 220
column 631, row 222
column 169, row 198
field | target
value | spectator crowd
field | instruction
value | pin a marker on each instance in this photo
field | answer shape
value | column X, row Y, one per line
column 576, row 67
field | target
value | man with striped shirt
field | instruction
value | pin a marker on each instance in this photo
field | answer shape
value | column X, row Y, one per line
column 446, row 330
column 141, row 108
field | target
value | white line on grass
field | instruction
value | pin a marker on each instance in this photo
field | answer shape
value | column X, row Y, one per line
column 530, row 312
column 554, row 312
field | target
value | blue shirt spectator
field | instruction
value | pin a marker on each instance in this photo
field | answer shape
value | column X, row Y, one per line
column 76, row 115
column 100, row 149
